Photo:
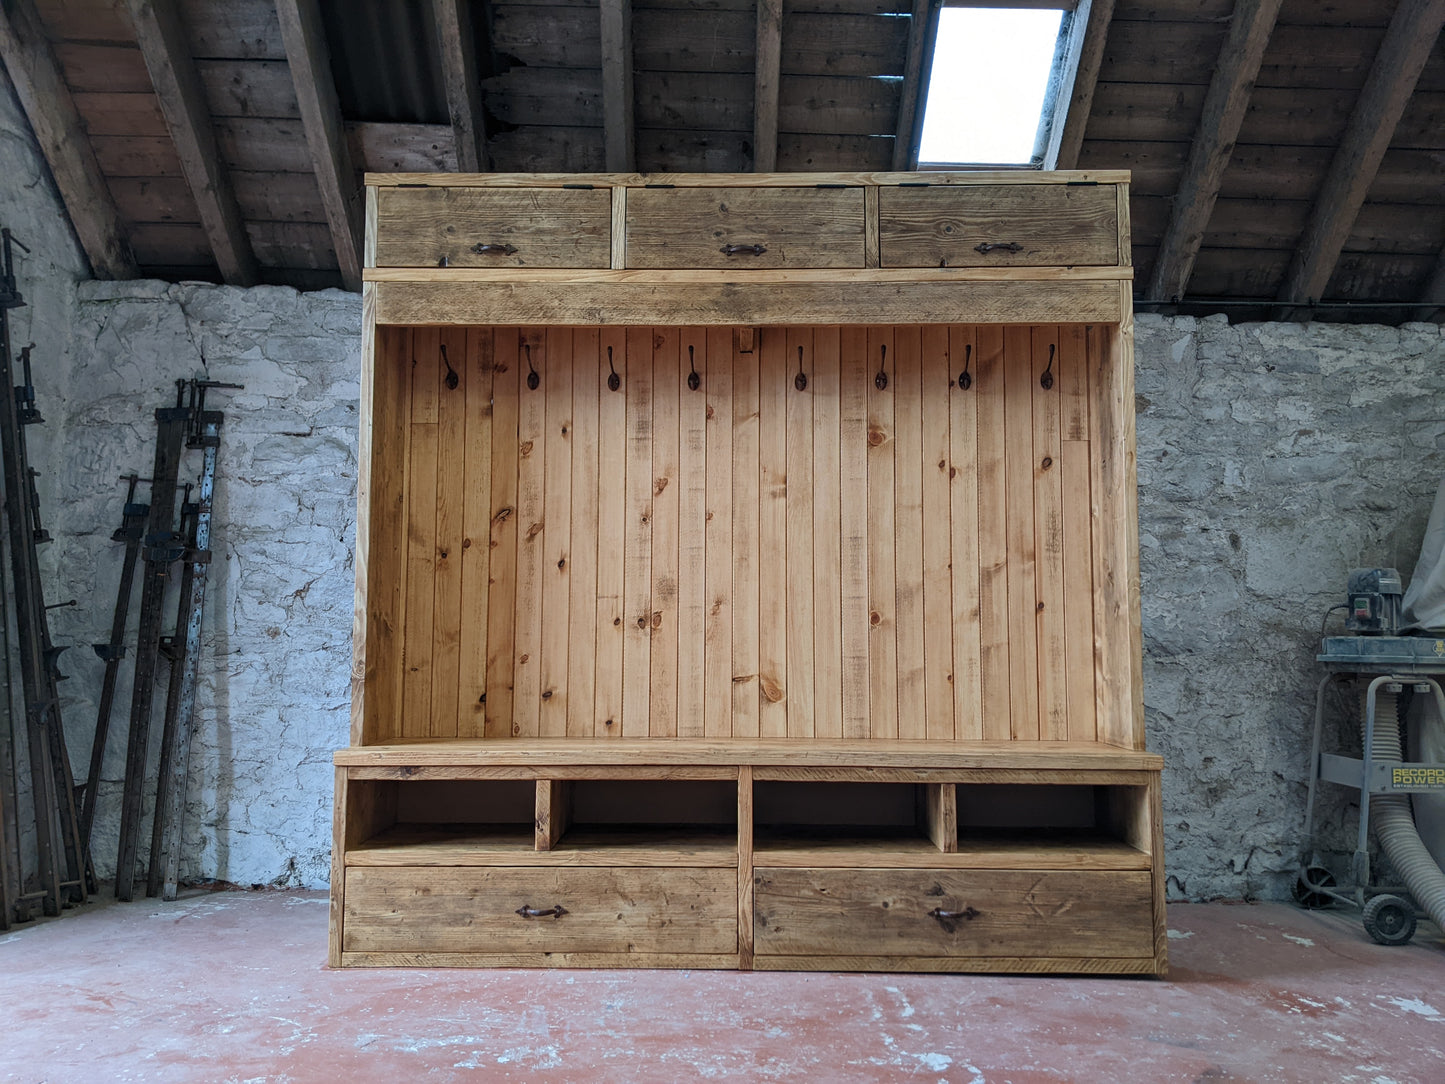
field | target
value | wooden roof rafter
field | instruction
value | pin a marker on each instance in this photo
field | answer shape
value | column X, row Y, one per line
column 162, row 38
column 767, row 85
column 619, row 130
column 1209, row 154
column 1396, row 69
column 341, row 192
column 456, row 43
column 63, row 140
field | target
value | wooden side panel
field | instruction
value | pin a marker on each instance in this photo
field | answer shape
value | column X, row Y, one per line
column 718, row 536
column 908, row 531
column 854, row 376
column 692, row 536
column 1118, row 682
column 588, row 382
column 637, row 542
column 940, row 815
column 773, row 571
column 556, row 570
column 553, row 812
column 1020, row 375
column 827, row 536
column 387, row 558
column 745, row 538
column 421, row 548
column 501, row 609
column 611, row 531
column 476, row 548
column 882, row 538
column 799, row 358
column 993, row 551
column 531, row 536
column 666, row 384
column 1048, row 510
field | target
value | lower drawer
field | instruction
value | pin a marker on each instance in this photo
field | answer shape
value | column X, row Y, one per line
column 413, row 909
column 911, row 912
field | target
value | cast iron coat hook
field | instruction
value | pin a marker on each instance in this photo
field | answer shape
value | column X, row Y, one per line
column 534, row 378
column 694, row 378
column 881, row 380
column 965, row 378
column 1047, row 380
column 801, row 380
column 613, row 380
column 452, row 379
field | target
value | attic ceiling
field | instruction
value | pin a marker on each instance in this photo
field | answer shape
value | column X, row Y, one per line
column 1288, row 156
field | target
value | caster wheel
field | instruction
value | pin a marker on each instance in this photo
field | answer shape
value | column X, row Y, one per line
column 1307, row 888
column 1389, row 920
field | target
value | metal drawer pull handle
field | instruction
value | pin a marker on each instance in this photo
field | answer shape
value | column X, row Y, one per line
column 968, row 914
column 550, row 912
column 743, row 250
column 493, row 250
column 987, row 247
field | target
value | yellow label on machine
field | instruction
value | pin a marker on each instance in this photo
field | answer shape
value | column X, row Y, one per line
column 1418, row 777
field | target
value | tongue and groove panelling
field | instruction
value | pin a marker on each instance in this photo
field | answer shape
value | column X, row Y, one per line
column 747, row 559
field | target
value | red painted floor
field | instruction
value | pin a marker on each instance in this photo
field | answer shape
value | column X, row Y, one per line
column 232, row 986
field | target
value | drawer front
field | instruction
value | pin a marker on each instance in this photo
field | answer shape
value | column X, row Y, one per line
column 900, row 912
column 409, row 909
column 493, row 227
column 1018, row 225
column 744, row 228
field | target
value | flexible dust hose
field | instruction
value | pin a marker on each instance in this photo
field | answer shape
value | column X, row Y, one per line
column 1394, row 825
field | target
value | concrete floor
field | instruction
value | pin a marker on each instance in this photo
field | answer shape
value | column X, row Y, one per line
column 232, row 986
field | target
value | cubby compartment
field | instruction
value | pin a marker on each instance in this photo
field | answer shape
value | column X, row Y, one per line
column 439, row 821
column 845, row 821
column 684, row 822
column 1054, row 825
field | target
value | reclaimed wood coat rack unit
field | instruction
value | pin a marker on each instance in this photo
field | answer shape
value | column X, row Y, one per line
column 747, row 576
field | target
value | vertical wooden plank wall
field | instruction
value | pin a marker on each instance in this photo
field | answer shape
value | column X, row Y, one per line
column 747, row 558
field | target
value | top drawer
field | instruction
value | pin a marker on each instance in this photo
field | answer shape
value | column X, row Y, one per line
column 1016, row 225
column 493, row 227
column 744, row 228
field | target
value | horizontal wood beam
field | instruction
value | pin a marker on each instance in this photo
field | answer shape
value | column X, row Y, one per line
column 177, row 84
column 1224, row 108
column 618, row 124
column 1086, row 77
column 63, row 141
column 768, row 73
column 456, row 40
column 1403, row 52
column 310, row 61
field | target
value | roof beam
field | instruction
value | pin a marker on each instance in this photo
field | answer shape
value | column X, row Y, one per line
column 1402, row 56
column 917, row 67
column 456, row 40
column 1224, row 107
column 177, row 84
column 62, row 137
column 768, row 69
column 310, row 60
column 1086, row 77
column 618, row 126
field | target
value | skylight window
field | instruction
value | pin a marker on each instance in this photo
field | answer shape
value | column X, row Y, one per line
column 995, row 72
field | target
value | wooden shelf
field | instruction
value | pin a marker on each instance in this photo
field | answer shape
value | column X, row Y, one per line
column 1042, row 849
column 508, row 845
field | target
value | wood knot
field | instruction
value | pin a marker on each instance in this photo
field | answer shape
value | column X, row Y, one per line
column 466, row 543
column 952, row 473
column 503, row 514
column 607, row 723
column 442, row 554
column 547, row 695
column 710, row 412
column 658, row 486
column 1039, row 608
column 1047, row 463
column 524, row 658
column 642, row 622
column 533, row 531
column 743, row 679
column 525, row 449
column 562, row 563
column 771, row 690
column 616, row 621
column 657, row 619
column 875, row 618
column 876, row 437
